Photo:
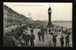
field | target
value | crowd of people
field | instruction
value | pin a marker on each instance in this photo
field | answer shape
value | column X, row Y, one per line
column 57, row 34
column 21, row 37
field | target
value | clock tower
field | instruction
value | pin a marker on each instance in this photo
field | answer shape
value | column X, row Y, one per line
column 49, row 16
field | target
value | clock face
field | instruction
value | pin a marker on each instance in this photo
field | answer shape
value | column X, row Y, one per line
column 49, row 11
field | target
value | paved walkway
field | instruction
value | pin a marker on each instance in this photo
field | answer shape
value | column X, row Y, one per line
column 47, row 42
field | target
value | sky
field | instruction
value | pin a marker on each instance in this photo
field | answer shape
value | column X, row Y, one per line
column 39, row 11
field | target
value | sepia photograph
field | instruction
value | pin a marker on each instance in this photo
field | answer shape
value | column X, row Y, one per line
column 30, row 24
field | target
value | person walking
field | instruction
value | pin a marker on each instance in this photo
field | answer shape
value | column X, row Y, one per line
column 67, row 40
column 32, row 38
column 67, row 37
column 54, row 40
column 42, row 36
column 26, row 38
column 62, row 41
column 39, row 35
